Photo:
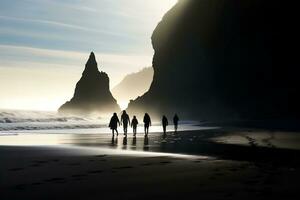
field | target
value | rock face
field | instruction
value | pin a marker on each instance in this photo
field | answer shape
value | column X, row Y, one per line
column 225, row 59
column 92, row 92
column 133, row 85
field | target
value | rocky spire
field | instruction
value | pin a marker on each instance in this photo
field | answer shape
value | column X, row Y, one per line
column 91, row 67
column 92, row 92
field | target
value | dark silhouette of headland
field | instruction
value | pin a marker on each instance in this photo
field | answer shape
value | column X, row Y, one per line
column 92, row 93
column 133, row 85
column 225, row 60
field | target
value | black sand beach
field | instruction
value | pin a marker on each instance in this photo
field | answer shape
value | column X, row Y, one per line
column 208, row 164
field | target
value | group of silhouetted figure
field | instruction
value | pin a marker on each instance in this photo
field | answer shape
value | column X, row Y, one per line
column 125, row 121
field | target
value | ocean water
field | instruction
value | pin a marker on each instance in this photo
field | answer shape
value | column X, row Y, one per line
column 17, row 122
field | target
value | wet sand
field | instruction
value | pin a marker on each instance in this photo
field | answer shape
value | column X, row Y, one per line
column 208, row 164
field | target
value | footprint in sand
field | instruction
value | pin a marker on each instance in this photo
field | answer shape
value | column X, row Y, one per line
column 124, row 167
column 100, row 156
column 55, row 180
column 35, row 165
column 251, row 182
column 233, row 169
column 251, row 141
column 165, row 162
column 95, row 172
column 219, row 174
column 36, row 183
column 16, row 169
column 79, row 175
column 197, row 161
column 73, row 164
column 146, row 164
column 20, row 187
column 40, row 161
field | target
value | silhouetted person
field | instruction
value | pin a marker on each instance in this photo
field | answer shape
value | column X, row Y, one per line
column 113, row 124
column 134, row 124
column 147, row 123
column 165, row 123
column 125, row 121
column 175, row 122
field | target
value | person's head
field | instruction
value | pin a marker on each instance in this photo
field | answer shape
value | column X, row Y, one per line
column 134, row 117
column 124, row 111
column 115, row 114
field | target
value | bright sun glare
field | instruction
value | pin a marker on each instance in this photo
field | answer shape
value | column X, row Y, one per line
column 167, row 4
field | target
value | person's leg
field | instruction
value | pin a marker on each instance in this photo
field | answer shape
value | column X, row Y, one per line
column 117, row 132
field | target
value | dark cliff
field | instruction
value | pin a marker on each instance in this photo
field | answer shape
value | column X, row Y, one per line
column 225, row 59
column 92, row 92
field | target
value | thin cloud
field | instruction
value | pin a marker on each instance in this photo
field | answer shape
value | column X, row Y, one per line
column 131, row 61
column 60, row 24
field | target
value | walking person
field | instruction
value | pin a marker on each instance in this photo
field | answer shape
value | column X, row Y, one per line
column 134, row 124
column 175, row 122
column 125, row 121
column 147, row 123
column 165, row 123
column 113, row 124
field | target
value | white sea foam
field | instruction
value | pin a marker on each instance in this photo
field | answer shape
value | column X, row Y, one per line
column 11, row 120
column 17, row 122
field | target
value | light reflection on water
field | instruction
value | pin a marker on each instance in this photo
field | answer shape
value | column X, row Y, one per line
column 105, row 130
column 155, row 142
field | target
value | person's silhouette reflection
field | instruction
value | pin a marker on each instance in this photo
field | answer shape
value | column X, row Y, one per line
column 125, row 141
column 146, row 143
column 164, row 136
column 134, row 141
column 114, row 141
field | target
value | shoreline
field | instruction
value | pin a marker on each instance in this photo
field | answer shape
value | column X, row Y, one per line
column 90, row 166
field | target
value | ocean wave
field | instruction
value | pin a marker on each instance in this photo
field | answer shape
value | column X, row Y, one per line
column 11, row 120
column 29, row 127
column 35, row 116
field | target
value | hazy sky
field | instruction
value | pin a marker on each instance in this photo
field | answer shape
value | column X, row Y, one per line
column 44, row 45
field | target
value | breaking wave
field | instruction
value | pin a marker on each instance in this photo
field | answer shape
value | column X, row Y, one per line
column 11, row 120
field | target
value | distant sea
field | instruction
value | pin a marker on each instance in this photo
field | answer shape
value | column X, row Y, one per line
column 17, row 122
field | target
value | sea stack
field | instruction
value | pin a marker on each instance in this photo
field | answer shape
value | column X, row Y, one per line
column 92, row 93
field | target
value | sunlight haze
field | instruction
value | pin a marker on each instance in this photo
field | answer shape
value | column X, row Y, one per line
column 45, row 44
